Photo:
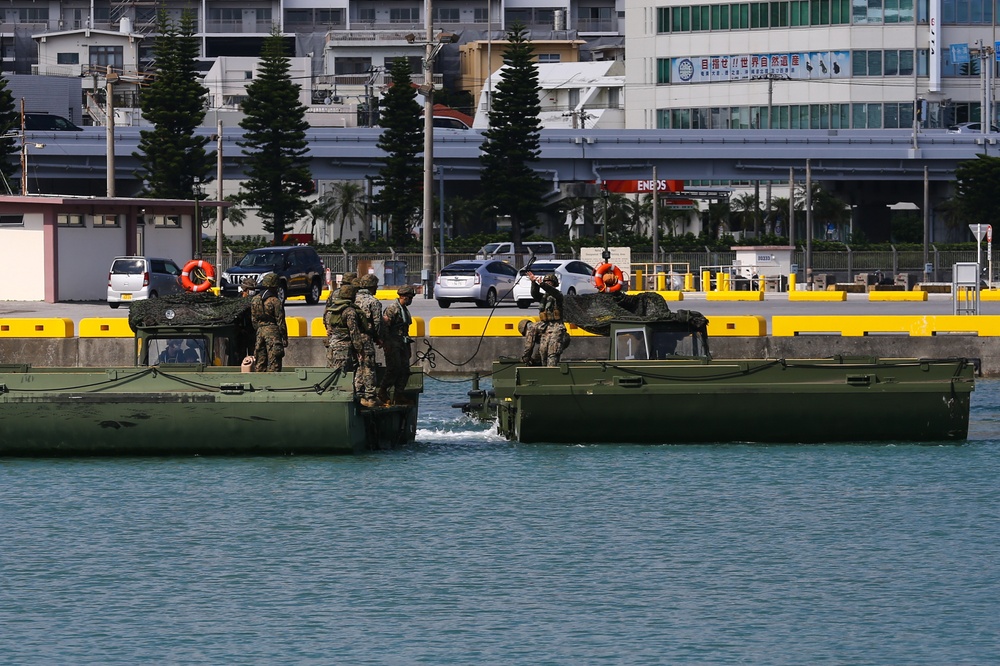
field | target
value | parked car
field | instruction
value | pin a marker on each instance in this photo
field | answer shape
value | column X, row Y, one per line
column 504, row 251
column 299, row 269
column 483, row 282
column 575, row 277
column 135, row 278
column 970, row 128
column 46, row 122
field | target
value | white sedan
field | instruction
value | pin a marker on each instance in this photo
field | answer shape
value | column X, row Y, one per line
column 575, row 277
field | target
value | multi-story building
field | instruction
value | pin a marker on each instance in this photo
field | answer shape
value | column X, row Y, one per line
column 809, row 64
column 348, row 42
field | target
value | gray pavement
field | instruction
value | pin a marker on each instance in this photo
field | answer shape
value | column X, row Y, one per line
column 773, row 304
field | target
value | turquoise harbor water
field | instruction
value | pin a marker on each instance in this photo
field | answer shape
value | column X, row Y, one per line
column 470, row 550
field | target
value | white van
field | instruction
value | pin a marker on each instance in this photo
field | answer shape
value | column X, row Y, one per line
column 505, row 251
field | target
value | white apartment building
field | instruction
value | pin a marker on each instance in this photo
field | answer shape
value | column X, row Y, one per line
column 809, row 64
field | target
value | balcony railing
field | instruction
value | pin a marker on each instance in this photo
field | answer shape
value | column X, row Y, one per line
column 597, row 25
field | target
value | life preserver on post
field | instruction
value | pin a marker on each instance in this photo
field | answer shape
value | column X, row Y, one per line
column 207, row 269
column 608, row 277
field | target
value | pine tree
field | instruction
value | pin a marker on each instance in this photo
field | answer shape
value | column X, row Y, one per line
column 170, row 154
column 274, row 144
column 401, row 179
column 512, row 140
column 10, row 122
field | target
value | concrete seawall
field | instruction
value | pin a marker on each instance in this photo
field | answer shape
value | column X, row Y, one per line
column 450, row 355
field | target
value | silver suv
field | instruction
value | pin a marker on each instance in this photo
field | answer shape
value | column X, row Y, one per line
column 135, row 278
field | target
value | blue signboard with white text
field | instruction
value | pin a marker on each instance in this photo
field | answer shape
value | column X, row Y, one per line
column 959, row 53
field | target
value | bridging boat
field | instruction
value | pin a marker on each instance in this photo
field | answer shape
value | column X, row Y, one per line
column 660, row 385
column 188, row 394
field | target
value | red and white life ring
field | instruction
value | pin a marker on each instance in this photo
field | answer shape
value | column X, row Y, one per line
column 608, row 277
column 206, row 268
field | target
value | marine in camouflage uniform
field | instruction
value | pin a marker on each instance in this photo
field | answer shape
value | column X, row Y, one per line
column 343, row 331
column 267, row 313
column 247, row 287
column 335, row 293
column 396, row 344
column 370, row 315
column 551, row 332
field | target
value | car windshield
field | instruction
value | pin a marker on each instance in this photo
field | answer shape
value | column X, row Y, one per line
column 542, row 266
column 460, row 269
column 128, row 266
column 490, row 248
column 257, row 259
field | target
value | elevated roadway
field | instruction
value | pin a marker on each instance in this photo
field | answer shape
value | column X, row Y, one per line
column 76, row 162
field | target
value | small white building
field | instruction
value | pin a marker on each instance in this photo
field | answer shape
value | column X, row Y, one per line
column 61, row 247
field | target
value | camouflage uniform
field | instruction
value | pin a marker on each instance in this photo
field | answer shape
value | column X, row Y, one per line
column 551, row 331
column 370, row 315
column 529, row 331
column 343, row 332
column 396, row 344
column 267, row 313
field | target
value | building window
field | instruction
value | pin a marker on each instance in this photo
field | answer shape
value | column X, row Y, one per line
column 105, row 221
column 11, row 220
column 662, row 21
column 167, row 221
column 33, row 15
column 366, row 14
column 663, row 70
column 69, row 220
column 404, row 15
column 549, row 57
column 68, row 58
column 447, row 15
column 107, row 56
column 329, row 16
column 298, row 16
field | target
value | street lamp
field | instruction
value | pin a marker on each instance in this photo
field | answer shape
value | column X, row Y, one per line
column 196, row 188
column 24, row 164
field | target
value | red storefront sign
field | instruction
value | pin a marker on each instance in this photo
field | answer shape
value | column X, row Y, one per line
column 643, row 186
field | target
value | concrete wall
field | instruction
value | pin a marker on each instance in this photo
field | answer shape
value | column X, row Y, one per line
column 101, row 352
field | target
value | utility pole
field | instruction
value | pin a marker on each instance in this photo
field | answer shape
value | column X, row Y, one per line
column 426, row 279
column 110, row 79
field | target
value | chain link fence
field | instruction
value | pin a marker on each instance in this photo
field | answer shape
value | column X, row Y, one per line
column 841, row 266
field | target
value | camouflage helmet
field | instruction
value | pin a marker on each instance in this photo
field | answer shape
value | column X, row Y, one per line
column 406, row 290
column 270, row 281
column 348, row 291
column 248, row 284
column 369, row 281
column 522, row 326
column 356, row 281
column 552, row 279
column 347, row 277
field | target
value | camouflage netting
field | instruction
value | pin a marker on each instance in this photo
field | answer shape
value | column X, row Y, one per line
column 595, row 312
column 204, row 309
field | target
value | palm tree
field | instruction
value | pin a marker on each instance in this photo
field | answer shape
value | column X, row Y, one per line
column 778, row 212
column 718, row 217
column 345, row 202
column 747, row 209
column 826, row 207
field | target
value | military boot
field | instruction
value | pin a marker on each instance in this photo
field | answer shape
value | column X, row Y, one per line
column 369, row 403
column 382, row 396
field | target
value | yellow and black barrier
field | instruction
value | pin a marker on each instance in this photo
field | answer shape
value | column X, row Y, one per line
column 820, row 296
column 36, row 327
column 861, row 325
column 105, row 327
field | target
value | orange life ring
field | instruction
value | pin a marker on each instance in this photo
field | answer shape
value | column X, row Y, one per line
column 207, row 268
column 608, row 277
